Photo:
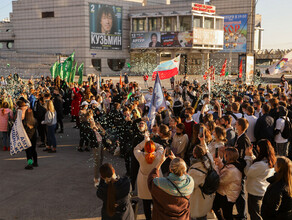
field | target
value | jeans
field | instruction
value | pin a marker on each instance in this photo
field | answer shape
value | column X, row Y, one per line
column 59, row 121
column 222, row 208
column 42, row 130
column 240, row 203
column 51, row 136
column 254, row 204
column 147, row 208
column 5, row 137
column 282, row 149
column 31, row 152
column 97, row 160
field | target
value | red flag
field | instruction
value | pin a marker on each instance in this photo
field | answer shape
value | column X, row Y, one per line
column 223, row 68
column 205, row 75
column 121, row 82
column 212, row 73
column 240, row 69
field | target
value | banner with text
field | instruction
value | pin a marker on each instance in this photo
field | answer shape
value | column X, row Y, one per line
column 177, row 39
column 145, row 40
column 105, row 27
column 235, row 32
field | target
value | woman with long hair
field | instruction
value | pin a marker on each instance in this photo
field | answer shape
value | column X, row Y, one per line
column 114, row 192
column 51, row 121
column 257, row 170
column 5, row 113
column 216, row 147
column 30, row 125
column 147, row 159
column 200, row 204
column 180, row 141
column 230, row 184
column 277, row 202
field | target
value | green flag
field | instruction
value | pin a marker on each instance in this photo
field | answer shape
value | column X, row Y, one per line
column 60, row 71
column 54, row 70
column 80, row 73
column 67, row 66
column 226, row 74
column 72, row 74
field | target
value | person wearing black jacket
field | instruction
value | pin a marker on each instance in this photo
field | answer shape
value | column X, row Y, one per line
column 29, row 124
column 264, row 127
column 58, row 104
column 39, row 114
column 241, row 144
column 114, row 192
column 139, row 131
column 277, row 202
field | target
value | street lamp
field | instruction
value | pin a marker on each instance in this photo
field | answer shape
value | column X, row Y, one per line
column 230, row 44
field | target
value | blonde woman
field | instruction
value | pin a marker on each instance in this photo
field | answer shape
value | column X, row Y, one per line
column 51, row 121
column 147, row 159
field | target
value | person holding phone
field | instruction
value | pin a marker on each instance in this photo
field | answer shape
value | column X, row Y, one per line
column 148, row 155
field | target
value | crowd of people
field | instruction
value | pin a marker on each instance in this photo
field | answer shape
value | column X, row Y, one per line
column 204, row 154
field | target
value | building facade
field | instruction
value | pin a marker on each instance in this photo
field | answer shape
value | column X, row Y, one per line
column 40, row 32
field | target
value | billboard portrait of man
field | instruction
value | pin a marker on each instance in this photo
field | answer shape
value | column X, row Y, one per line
column 106, row 20
column 105, row 27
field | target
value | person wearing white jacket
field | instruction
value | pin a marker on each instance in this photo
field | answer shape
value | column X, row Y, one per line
column 257, row 170
column 51, row 121
column 200, row 205
column 148, row 155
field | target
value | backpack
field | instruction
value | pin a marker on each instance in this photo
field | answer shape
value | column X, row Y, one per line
column 211, row 183
column 287, row 131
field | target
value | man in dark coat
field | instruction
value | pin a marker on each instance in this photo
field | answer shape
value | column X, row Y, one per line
column 39, row 112
column 58, row 104
column 264, row 128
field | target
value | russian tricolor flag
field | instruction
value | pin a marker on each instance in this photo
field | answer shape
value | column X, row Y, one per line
column 167, row 69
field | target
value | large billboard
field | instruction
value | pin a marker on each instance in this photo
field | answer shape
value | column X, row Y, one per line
column 164, row 39
column 207, row 37
column 145, row 40
column 176, row 39
column 235, row 32
column 105, row 27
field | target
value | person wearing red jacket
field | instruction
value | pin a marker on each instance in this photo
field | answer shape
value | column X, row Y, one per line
column 75, row 104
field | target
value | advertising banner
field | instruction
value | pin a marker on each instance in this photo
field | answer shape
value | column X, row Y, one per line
column 176, row 39
column 249, row 68
column 235, row 32
column 208, row 37
column 145, row 40
column 105, row 27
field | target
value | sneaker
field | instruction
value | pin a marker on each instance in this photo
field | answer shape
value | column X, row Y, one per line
column 42, row 145
column 35, row 164
column 86, row 149
column 29, row 167
column 4, row 148
column 80, row 149
column 52, row 151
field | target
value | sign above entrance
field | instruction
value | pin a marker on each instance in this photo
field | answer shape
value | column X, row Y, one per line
column 200, row 8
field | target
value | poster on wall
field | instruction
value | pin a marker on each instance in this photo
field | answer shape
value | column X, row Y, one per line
column 105, row 27
column 145, row 40
column 235, row 32
column 177, row 39
column 249, row 68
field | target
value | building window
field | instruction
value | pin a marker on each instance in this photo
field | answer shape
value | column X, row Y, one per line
column 96, row 63
column 198, row 22
column 10, row 45
column 8, row 30
column 139, row 24
column 48, row 14
column 219, row 23
column 209, row 23
column 154, row 24
column 185, row 23
column 170, row 23
column 1, row 45
column 116, row 64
